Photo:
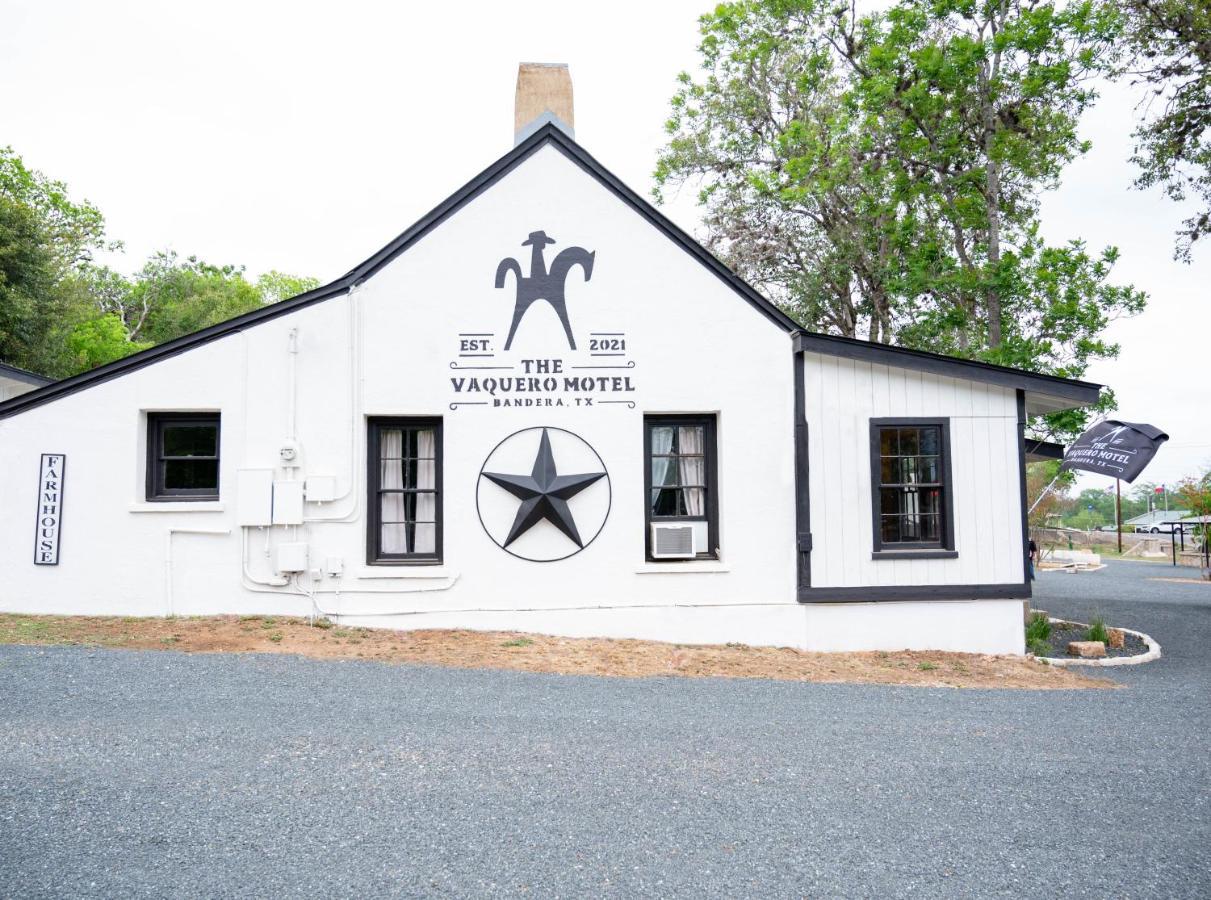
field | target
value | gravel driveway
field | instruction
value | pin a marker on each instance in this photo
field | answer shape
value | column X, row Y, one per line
column 126, row 773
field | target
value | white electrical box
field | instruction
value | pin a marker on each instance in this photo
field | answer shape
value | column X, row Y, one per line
column 292, row 557
column 254, row 497
column 288, row 503
column 321, row 488
column 334, row 566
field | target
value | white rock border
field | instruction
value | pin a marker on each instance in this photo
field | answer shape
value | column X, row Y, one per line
column 1153, row 651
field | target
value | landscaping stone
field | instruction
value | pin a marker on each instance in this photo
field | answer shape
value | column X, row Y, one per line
column 1117, row 638
column 1086, row 649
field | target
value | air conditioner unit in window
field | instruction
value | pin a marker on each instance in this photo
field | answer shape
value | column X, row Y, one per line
column 673, row 542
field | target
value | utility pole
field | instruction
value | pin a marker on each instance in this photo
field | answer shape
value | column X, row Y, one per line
column 1118, row 513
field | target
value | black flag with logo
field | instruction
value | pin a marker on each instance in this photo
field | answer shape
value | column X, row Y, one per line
column 1118, row 449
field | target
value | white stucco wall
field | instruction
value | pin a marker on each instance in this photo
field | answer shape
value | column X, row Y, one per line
column 389, row 350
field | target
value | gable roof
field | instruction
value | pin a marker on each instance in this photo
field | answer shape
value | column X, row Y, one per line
column 547, row 134
column 1057, row 393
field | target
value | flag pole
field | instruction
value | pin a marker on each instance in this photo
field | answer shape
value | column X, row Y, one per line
column 1118, row 512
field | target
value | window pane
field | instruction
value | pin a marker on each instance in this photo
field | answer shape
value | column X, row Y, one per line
column 200, row 439
column 693, row 502
column 928, row 469
column 888, row 443
column 931, row 440
column 424, row 538
column 391, row 475
column 931, row 501
column 908, row 442
column 891, row 529
column 889, row 470
column 393, row 539
column 666, row 502
column 889, row 501
column 908, row 470
column 391, row 443
column 662, row 440
column 391, row 508
column 199, row 474
column 665, row 471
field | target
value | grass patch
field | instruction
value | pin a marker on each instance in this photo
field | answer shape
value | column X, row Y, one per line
column 926, row 666
column 526, row 642
column 1097, row 631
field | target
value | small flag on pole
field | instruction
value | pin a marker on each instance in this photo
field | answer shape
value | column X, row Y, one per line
column 1118, row 449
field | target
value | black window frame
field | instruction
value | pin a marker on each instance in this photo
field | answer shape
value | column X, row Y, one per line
column 374, row 428
column 156, row 492
column 711, row 457
column 944, row 547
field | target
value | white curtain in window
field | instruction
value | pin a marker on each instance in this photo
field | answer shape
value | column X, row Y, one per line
column 693, row 471
column 391, row 448
column 662, row 443
column 425, row 540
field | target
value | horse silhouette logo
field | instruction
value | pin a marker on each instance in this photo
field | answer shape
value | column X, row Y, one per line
column 541, row 284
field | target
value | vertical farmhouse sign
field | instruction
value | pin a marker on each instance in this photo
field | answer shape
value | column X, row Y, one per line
column 50, row 509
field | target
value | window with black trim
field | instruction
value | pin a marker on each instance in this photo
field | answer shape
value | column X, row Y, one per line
column 182, row 456
column 680, row 478
column 911, row 486
column 405, row 478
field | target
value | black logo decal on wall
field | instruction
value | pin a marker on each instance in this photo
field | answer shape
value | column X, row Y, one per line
column 543, row 495
column 541, row 284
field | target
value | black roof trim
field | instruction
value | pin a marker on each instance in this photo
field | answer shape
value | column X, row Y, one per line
column 547, row 134
column 1083, row 393
column 23, row 375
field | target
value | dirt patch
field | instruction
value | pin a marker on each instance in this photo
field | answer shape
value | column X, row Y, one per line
column 538, row 653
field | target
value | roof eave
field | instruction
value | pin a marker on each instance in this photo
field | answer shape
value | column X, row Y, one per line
column 1044, row 393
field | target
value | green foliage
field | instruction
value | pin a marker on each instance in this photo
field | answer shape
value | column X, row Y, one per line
column 62, row 313
column 101, row 340
column 1038, row 628
column 879, row 175
column 1097, row 631
column 1169, row 51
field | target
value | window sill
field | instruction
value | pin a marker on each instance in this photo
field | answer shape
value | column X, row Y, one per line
column 413, row 570
column 683, row 567
column 915, row 554
column 207, row 506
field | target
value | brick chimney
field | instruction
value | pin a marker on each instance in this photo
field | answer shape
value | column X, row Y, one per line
column 544, row 94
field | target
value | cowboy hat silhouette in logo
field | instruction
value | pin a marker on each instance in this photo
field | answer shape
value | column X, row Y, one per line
column 541, row 284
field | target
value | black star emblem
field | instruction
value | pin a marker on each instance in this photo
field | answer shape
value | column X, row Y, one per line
column 544, row 494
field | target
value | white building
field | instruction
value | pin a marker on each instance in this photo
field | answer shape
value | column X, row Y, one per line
column 543, row 407
column 14, row 381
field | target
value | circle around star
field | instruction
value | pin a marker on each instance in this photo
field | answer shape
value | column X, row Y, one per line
column 543, row 494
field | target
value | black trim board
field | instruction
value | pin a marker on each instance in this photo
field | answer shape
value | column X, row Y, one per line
column 1080, row 393
column 1021, row 398
column 873, row 594
column 1042, row 451
column 548, row 134
column 803, row 503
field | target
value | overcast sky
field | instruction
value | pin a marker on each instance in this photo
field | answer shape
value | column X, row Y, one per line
column 304, row 136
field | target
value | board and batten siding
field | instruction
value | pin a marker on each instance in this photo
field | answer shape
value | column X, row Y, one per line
column 841, row 397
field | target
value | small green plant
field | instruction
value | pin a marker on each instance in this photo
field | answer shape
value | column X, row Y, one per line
column 1097, row 631
column 276, row 637
column 1036, row 647
column 927, row 666
column 518, row 642
column 1038, row 628
column 341, row 633
column 322, row 623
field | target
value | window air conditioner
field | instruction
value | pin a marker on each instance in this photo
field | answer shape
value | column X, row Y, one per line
column 673, row 542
